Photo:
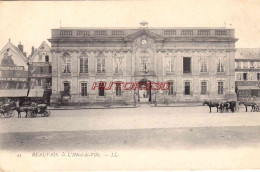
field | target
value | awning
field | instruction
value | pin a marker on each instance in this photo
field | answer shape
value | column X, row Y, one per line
column 14, row 93
column 36, row 93
column 248, row 88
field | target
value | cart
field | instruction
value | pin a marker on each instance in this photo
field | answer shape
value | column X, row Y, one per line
column 33, row 111
column 7, row 110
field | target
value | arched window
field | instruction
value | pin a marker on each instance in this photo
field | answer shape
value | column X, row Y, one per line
column 220, row 64
column 66, row 66
column 203, row 64
column 144, row 62
column 101, row 63
column 83, row 66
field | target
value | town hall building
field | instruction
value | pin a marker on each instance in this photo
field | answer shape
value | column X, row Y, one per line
column 197, row 62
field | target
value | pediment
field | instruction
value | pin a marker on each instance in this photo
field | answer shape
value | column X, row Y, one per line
column 146, row 32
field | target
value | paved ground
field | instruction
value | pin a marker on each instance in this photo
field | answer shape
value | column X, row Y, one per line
column 177, row 137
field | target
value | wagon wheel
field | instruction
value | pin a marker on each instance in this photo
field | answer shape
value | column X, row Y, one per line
column 12, row 113
column 46, row 113
column 9, row 114
column 2, row 114
column 31, row 114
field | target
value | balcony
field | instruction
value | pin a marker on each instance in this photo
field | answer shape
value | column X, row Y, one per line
column 122, row 32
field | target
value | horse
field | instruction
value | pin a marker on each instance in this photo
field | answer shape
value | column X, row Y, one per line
column 20, row 109
column 232, row 105
column 252, row 104
column 211, row 104
column 223, row 106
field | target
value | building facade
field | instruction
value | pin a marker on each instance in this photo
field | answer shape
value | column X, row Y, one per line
column 40, row 70
column 13, row 72
column 247, row 70
column 198, row 62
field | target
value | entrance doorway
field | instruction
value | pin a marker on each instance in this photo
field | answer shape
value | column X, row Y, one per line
column 144, row 91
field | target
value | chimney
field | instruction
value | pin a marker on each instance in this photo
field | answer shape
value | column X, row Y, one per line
column 20, row 46
column 32, row 51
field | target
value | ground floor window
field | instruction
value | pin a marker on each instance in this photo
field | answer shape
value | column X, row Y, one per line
column 84, row 89
column 101, row 89
column 66, row 87
column 203, row 87
column 187, row 88
column 220, row 87
column 170, row 92
column 118, row 89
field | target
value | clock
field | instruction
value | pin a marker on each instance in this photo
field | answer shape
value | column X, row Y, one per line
column 144, row 41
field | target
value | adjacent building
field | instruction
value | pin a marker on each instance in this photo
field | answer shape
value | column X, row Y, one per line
column 13, row 72
column 198, row 62
column 40, row 69
column 247, row 69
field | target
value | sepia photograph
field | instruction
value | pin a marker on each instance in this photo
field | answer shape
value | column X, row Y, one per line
column 129, row 85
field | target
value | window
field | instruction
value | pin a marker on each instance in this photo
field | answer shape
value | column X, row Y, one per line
column 251, row 64
column 49, row 68
column 187, row 88
column 244, row 76
column 46, row 58
column 38, row 82
column 239, row 76
column 41, row 69
column 245, row 65
column 144, row 66
column 186, row 65
column 220, row 87
column 203, row 64
column 66, row 66
column 83, row 65
column 117, row 65
column 239, row 65
column 203, row 87
column 170, row 92
column 101, row 63
column 66, row 87
column 220, row 65
column 258, row 76
column 118, row 89
column 169, row 63
column 84, row 89
column 101, row 89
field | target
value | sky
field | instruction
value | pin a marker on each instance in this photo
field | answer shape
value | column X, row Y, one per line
column 31, row 22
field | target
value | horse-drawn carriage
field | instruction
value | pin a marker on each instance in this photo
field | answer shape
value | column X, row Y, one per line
column 33, row 111
column 7, row 110
column 223, row 106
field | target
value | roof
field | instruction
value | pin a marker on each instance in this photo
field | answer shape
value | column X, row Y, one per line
column 43, row 44
column 248, row 87
column 10, row 45
column 137, row 28
column 248, row 53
